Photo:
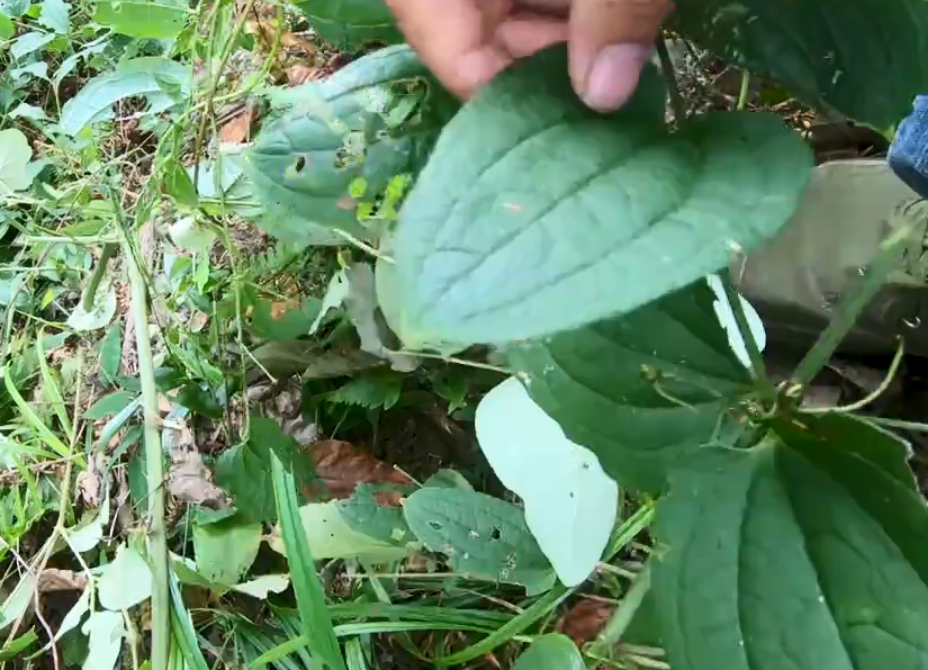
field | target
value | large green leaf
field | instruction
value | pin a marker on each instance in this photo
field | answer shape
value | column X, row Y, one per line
column 536, row 214
column 141, row 18
column 641, row 390
column 351, row 22
column 481, row 535
column 224, row 551
column 151, row 76
column 828, row 52
column 806, row 551
column 347, row 145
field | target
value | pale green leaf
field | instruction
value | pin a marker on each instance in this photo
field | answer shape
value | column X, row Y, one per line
column 641, row 390
column 335, row 295
column 141, row 18
column 264, row 585
column 14, row 8
column 15, row 153
column 224, row 551
column 149, row 76
column 806, row 551
column 726, row 316
column 331, row 537
column 30, row 42
column 54, row 16
column 26, row 72
column 26, row 111
column 106, row 631
column 482, row 536
column 7, row 29
column 498, row 241
column 125, row 582
column 112, row 403
column 17, row 602
column 104, row 309
column 551, row 652
column 570, row 503
column 824, row 51
column 190, row 234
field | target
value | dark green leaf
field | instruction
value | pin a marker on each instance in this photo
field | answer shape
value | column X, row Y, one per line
column 364, row 515
column 283, row 359
column 641, row 390
column 804, row 552
column 825, row 51
column 351, row 22
column 112, row 403
column 291, row 325
column 201, row 400
column 373, row 390
column 499, row 241
column 347, row 145
column 178, row 185
column 245, row 470
column 551, row 652
column 141, row 18
column 481, row 535
column 111, row 353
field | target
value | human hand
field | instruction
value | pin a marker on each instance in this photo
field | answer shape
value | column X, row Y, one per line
column 467, row 42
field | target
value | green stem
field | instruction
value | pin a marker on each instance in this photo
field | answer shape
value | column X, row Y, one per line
column 872, row 397
column 758, row 369
column 745, row 89
column 621, row 618
column 157, row 540
column 851, row 307
column 676, row 100
column 90, row 297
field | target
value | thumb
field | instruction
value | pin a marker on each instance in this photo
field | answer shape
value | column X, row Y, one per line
column 610, row 42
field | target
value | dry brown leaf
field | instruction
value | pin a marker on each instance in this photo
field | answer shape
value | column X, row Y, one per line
column 238, row 130
column 302, row 73
column 61, row 580
column 585, row 620
column 90, row 481
column 189, row 480
column 342, row 466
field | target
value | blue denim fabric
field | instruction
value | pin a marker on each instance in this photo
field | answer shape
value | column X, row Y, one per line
column 908, row 154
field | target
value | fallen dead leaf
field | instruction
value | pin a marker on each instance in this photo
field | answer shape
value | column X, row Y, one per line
column 61, row 580
column 341, row 466
column 238, row 130
column 189, row 480
column 90, row 481
column 585, row 620
column 302, row 73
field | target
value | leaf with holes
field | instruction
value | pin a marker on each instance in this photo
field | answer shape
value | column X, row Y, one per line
column 351, row 22
column 499, row 242
column 482, row 536
column 641, row 390
column 809, row 547
column 338, row 158
column 824, row 51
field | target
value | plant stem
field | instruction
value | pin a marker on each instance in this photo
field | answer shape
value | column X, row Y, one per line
column 880, row 390
column 157, row 541
column 90, row 296
column 758, row 369
column 621, row 618
column 898, row 424
column 676, row 100
column 745, row 89
column 851, row 306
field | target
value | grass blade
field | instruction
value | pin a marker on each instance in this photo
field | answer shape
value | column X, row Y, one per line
column 310, row 597
column 42, row 431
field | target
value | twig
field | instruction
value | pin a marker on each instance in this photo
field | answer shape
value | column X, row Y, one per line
column 851, row 307
column 157, row 541
column 880, row 390
column 676, row 100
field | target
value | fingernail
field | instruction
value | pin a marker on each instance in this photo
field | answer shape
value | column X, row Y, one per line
column 614, row 75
